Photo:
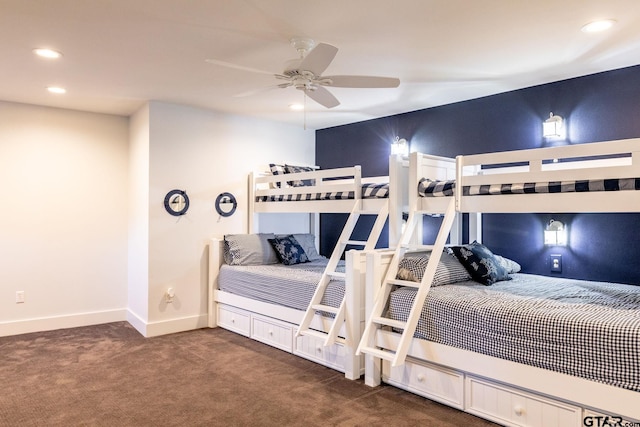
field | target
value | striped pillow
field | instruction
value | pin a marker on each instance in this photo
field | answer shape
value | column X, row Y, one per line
column 449, row 269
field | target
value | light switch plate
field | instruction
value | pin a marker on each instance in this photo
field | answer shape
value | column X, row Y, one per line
column 555, row 261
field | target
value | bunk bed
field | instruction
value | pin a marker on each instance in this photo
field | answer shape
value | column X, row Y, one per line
column 323, row 319
column 447, row 344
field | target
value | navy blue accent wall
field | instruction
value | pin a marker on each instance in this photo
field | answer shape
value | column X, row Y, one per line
column 598, row 107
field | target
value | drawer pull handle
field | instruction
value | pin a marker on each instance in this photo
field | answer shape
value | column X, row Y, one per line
column 319, row 349
column 519, row 411
column 233, row 320
column 270, row 332
column 421, row 378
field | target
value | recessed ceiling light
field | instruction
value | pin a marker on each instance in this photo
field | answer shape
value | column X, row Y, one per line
column 56, row 89
column 597, row 26
column 47, row 53
column 296, row 107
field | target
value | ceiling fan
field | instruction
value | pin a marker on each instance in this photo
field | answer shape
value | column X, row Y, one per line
column 305, row 73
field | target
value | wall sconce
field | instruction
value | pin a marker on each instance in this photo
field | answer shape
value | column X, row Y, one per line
column 552, row 127
column 400, row 147
column 555, row 234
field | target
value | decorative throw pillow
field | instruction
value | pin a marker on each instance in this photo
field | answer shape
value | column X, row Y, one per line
column 249, row 249
column 510, row 265
column 308, row 243
column 276, row 170
column 449, row 269
column 481, row 263
column 299, row 182
column 289, row 250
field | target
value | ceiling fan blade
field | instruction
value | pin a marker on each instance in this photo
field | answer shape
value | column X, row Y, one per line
column 261, row 90
column 323, row 97
column 318, row 59
column 238, row 67
column 363, row 81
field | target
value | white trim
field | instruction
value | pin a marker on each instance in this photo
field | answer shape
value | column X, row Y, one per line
column 51, row 323
column 165, row 327
column 172, row 326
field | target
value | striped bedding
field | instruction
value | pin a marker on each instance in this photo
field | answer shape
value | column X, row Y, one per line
column 580, row 328
column 429, row 188
column 290, row 286
column 369, row 191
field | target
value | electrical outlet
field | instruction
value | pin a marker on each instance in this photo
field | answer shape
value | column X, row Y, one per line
column 169, row 295
column 19, row 297
column 556, row 263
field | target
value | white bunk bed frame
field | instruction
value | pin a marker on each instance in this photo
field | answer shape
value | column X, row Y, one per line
column 499, row 390
column 294, row 330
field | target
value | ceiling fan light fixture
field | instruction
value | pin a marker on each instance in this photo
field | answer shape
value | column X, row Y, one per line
column 598, row 26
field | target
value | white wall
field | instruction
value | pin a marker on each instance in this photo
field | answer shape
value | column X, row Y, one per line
column 83, row 230
column 205, row 154
column 138, row 231
column 63, row 223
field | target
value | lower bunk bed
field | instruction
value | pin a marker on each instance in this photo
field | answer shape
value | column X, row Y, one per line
column 267, row 302
column 528, row 350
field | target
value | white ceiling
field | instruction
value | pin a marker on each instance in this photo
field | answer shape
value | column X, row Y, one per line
column 119, row 54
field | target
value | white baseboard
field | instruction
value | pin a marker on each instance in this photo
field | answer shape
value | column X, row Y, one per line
column 41, row 324
column 164, row 327
column 152, row 329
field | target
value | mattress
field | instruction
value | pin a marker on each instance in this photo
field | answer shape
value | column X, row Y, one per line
column 369, row 191
column 289, row 286
column 580, row 328
column 429, row 188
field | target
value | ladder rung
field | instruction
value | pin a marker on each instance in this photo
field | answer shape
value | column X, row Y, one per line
column 417, row 247
column 337, row 274
column 320, row 335
column 356, row 242
column 430, row 212
column 326, row 308
column 314, row 333
column 390, row 322
column 383, row 354
column 399, row 282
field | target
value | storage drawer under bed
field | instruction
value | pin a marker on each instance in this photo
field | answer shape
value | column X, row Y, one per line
column 513, row 407
column 272, row 332
column 234, row 319
column 432, row 381
column 313, row 348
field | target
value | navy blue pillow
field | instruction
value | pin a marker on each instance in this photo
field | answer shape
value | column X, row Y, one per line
column 288, row 250
column 481, row 263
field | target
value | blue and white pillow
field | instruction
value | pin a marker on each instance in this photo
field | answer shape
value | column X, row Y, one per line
column 481, row 263
column 299, row 182
column 308, row 243
column 449, row 269
column 249, row 249
column 289, row 250
column 277, row 170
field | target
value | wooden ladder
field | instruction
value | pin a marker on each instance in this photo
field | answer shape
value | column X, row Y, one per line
column 377, row 320
column 331, row 336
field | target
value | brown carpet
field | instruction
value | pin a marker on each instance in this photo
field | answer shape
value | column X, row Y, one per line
column 109, row 375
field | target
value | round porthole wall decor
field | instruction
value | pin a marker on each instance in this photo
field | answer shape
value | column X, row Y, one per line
column 176, row 202
column 226, row 204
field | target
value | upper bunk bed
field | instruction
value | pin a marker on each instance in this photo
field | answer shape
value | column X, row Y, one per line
column 593, row 177
column 593, row 375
